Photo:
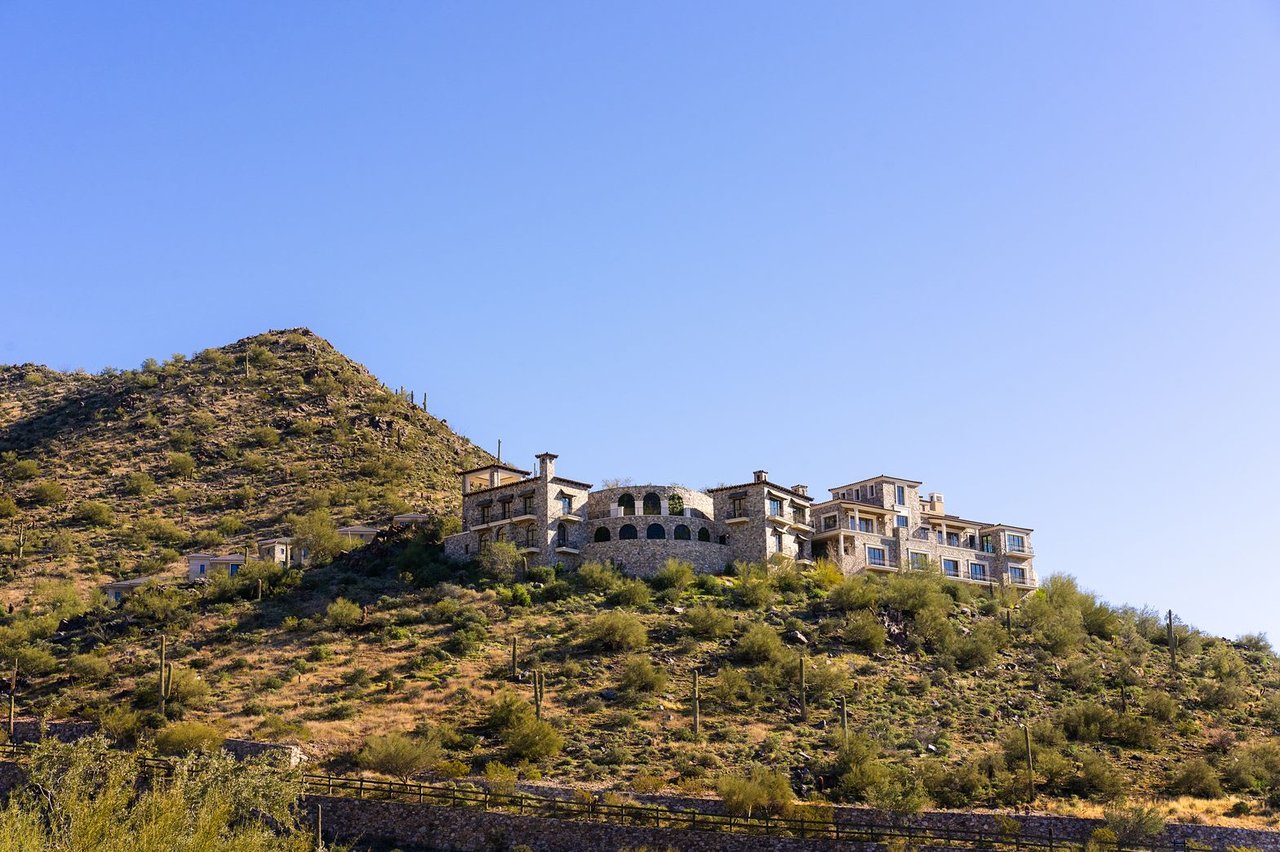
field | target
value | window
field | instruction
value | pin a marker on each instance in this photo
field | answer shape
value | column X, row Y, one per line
column 977, row 571
column 655, row 531
column 628, row 531
column 235, row 569
column 918, row 561
column 951, row 567
column 566, row 504
column 202, row 569
column 797, row 515
column 602, row 534
column 900, row 494
column 724, row 539
column 627, row 504
column 799, row 548
column 987, row 546
column 704, row 534
column 526, row 506
column 777, row 541
column 484, row 514
column 505, row 510
column 500, row 534
column 775, row 507
column 1017, row 575
column 1015, row 543
column 562, row 535
column 866, row 525
column 530, row 536
column 953, row 539
column 829, row 522
column 875, row 556
column 652, row 504
column 682, row 533
column 902, row 521
column 738, row 507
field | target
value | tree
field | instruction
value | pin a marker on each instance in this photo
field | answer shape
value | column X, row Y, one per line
column 398, row 755
column 179, row 738
column 316, row 533
column 498, row 561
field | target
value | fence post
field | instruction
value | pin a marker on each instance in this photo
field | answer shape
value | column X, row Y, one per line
column 360, row 790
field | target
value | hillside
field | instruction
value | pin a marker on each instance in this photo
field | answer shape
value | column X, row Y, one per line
column 113, row 474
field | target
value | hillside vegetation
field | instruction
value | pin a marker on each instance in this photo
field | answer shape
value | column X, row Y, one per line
column 118, row 472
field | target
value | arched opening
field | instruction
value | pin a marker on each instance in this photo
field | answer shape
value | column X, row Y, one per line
column 655, row 531
column 627, row 531
column 602, row 534
column 704, row 534
column 627, row 503
column 681, row 533
column 562, row 535
column 675, row 505
column 652, row 504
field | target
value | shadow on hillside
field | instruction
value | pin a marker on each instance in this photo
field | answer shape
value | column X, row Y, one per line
column 75, row 412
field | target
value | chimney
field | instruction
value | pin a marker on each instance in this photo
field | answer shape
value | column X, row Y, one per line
column 802, row 490
column 495, row 478
column 761, row 475
column 935, row 501
column 547, row 465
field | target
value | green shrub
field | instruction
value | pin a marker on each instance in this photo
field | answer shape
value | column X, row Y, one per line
column 766, row 790
column 640, row 676
column 597, row 577
column 398, row 755
column 753, row 592
column 25, row 469
column 498, row 561
column 179, row 738
column 630, row 593
column 532, row 740
column 139, row 484
column 343, row 614
column 8, row 508
column 1196, row 778
column 1098, row 779
column 541, row 574
column 708, row 622
column 675, row 574
column 49, row 493
column 863, row 631
column 760, row 644
column 181, row 465
column 615, row 631
column 1134, row 823
column 854, row 593
column 89, row 667
column 265, row 437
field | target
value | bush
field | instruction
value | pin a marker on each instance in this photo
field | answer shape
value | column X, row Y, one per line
column 1098, row 779
column 764, row 789
column 826, row 574
column 8, row 508
column 708, row 622
column 186, row 692
column 1159, row 705
column 139, row 484
column 265, row 437
column 854, row 593
column 1134, row 824
column 498, row 561
column 25, row 469
column 532, row 740
column 179, row 738
column 343, row 614
column 760, row 644
column 544, row 574
column 316, row 533
column 597, row 577
column 1197, row 778
column 863, row 631
column 89, row 667
column 615, row 631
column 639, row 676
column 630, row 593
column 95, row 514
column 398, row 755
column 49, row 494
column 675, row 574
column 181, row 465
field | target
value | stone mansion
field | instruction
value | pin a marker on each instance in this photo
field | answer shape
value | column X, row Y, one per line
column 881, row 524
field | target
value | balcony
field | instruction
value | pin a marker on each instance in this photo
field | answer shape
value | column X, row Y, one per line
column 737, row 518
column 1024, row 552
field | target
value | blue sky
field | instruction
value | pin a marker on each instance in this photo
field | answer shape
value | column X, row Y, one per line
column 1028, row 253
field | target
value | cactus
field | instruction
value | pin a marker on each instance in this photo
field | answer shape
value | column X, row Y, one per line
column 513, row 658
column 697, row 705
column 804, row 699
column 259, row 588
column 1173, row 642
column 539, row 686
column 166, row 673
column 844, row 720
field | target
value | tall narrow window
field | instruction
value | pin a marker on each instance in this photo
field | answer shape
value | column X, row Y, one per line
column 777, row 541
column 562, row 535
column 738, row 507
column 775, row 507
column 566, row 504
column 526, row 507
column 900, row 492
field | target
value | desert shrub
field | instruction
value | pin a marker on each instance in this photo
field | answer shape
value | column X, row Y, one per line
column 854, row 593
column 759, row 644
column 825, row 574
column 597, row 577
column 615, row 631
column 1098, row 779
column 139, row 484
column 978, row 648
column 187, row 691
column 731, row 688
column 1256, row 642
column 95, row 514
column 858, row 774
column 825, row 679
column 1159, row 705
column 316, row 533
column 753, row 591
column 230, row 524
column 343, row 614
column 630, row 593
column 121, row 725
column 675, row 574
column 179, row 738
column 541, row 574
column 1254, row 768
column 1196, row 778
column 498, row 561
column 49, row 493
column 8, row 508
column 1134, row 823
column 766, row 790
column 89, row 667
column 181, row 465
column 640, row 676
column 708, row 622
column 265, row 437
column 398, row 755
column 863, row 631
column 958, row 786
column 532, row 740
column 35, row 660
column 24, row 470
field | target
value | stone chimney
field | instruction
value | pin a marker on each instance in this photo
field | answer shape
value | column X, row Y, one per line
column 547, row 465
column 802, row 490
column 935, row 503
column 761, row 475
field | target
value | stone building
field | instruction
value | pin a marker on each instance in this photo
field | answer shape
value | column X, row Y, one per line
column 878, row 524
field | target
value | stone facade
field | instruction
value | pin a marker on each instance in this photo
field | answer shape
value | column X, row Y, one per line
column 881, row 524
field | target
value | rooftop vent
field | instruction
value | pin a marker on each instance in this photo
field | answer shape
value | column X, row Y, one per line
column 761, row 475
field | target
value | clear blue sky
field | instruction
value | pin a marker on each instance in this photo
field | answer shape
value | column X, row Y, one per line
column 1026, row 252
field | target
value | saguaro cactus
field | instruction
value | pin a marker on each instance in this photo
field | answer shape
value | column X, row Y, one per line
column 697, row 705
column 539, row 687
column 513, row 658
column 804, row 698
column 1173, row 641
column 166, row 673
column 844, row 720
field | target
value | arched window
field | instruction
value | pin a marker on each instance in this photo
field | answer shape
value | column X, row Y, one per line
column 562, row 535
column 652, row 504
column 675, row 505
column 602, row 534
column 704, row 534
column 500, row 534
column 681, row 533
column 655, row 531
column 627, row 531
column 627, row 503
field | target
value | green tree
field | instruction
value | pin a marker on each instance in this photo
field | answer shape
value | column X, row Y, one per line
column 316, row 533
column 498, row 561
column 95, row 514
